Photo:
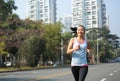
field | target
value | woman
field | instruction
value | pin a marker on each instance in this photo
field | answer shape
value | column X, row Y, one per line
column 79, row 48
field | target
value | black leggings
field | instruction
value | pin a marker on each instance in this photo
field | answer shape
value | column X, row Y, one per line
column 79, row 72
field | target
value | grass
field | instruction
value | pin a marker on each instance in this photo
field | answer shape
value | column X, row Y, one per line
column 23, row 68
column 7, row 69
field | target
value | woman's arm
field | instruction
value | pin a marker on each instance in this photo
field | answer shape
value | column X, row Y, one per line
column 89, row 54
column 88, row 48
column 70, row 46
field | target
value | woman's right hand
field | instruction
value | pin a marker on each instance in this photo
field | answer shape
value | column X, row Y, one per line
column 77, row 48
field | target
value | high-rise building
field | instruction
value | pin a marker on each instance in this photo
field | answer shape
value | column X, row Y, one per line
column 90, row 13
column 44, row 10
column 67, row 22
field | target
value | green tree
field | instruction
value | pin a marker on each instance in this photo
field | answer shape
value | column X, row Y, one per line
column 2, row 52
column 32, row 43
column 6, row 8
column 2, row 48
column 31, row 49
column 53, row 41
column 11, row 22
column 107, row 42
column 66, row 38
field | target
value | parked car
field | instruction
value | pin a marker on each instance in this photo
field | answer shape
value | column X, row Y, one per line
column 7, row 63
column 49, row 62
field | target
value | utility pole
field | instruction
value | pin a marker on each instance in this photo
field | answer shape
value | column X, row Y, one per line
column 62, row 52
column 97, row 48
column 97, row 31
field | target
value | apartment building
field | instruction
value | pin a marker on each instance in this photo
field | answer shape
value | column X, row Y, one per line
column 44, row 10
column 90, row 13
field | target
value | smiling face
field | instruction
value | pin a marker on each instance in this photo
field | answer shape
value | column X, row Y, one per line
column 80, row 31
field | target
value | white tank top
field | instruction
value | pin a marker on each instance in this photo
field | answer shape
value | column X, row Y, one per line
column 79, row 57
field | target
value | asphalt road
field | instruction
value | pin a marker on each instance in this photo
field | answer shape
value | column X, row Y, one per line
column 100, row 72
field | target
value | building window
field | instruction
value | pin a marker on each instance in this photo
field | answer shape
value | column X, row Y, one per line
column 94, row 7
column 32, row 16
column 94, row 17
column 88, row 8
column 93, row 2
column 32, row 7
column 46, row 10
column 41, row 2
column 78, row 4
column 46, row 15
column 94, row 22
column 32, row 1
column 74, row 9
column 41, row 15
column 87, row 4
column 46, row 19
column 93, row 12
column 32, row 11
column 41, row 11
column 88, row 13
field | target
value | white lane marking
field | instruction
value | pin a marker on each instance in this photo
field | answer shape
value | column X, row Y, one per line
column 110, row 74
column 103, row 79
column 115, row 71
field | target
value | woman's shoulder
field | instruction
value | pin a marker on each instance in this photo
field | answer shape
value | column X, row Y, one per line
column 72, row 39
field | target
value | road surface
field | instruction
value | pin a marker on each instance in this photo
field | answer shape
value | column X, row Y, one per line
column 99, row 72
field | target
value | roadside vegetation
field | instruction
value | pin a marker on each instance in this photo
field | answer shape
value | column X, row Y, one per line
column 26, row 44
